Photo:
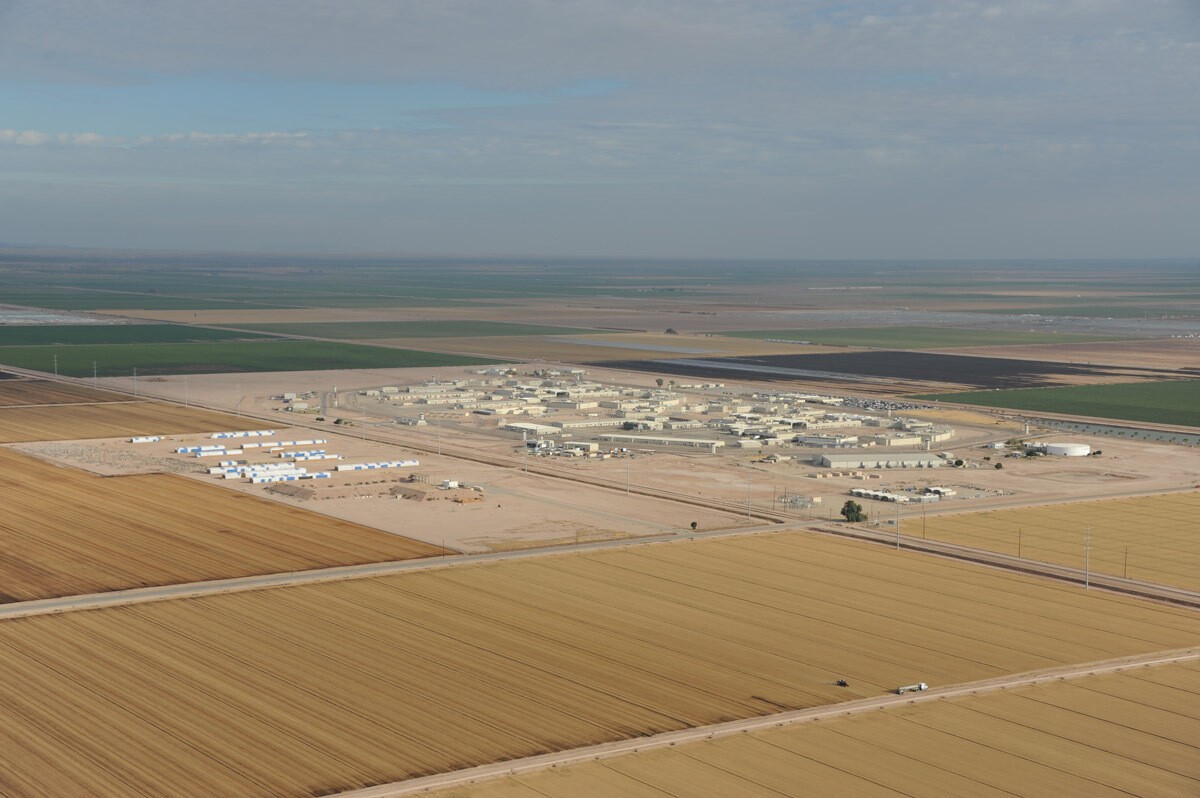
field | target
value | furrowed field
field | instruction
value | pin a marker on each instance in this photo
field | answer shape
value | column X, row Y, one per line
column 66, row 532
column 1155, row 402
column 917, row 337
column 314, row 689
column 366, row 330
column 214, row 358
column 1134, row 733
column 1152, row 538
column 17, row 392
column 108, row 420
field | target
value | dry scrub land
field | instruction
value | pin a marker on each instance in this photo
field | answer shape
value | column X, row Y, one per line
column 1134, row 733
column 65, row 532
column 313, row 689
column 1153, row 538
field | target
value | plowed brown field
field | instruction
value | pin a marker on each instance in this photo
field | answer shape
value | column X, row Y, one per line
column 1135, row 733
column 584, row 348
column 62, row 423
column 65, row 532
column 1151, row 538
column 14, row 393
column 312, row 689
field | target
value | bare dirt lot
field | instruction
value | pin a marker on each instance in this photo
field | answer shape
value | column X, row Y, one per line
column 1133, row 733
column 314, row 689
column 66, row 532
column 511, row 510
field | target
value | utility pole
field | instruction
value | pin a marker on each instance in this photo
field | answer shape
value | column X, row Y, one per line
column 1087, row 558
column 135, row 380
column 748, row 477
column 1020, row 531
column 56, row 367
column 185, row 396
column 896, row 522
column 95, row 382
column 239, row 399
column 1126, row 573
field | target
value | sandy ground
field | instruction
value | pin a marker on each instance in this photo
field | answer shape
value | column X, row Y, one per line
column 513, row 510
column 534, row 509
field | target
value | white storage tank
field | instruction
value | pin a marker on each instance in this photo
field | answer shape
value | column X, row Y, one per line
column 1068, row 449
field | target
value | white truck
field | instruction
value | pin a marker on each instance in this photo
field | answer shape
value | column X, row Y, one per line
column 912, row 688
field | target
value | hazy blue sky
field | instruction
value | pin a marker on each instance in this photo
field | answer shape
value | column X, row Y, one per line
column 724, row 128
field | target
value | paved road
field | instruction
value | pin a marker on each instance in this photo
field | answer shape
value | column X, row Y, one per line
column 607, row 750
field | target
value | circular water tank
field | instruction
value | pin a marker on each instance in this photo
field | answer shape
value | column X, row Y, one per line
column 1068, row 449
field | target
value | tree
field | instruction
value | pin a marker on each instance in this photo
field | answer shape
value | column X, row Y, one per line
column 999, row 465
column 672, row 331
column 694, row 525
column 958, row 463
column 853, row 511
column 659, row 382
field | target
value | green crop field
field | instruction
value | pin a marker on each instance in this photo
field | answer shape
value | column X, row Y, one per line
column 43, row 334
column 919, row 337
column 215, row 358
column 1156, row 402
column 362, row 330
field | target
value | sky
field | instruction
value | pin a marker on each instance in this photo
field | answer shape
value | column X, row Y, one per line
column 662, row 128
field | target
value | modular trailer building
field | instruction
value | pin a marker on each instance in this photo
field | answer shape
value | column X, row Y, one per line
column 872, row 460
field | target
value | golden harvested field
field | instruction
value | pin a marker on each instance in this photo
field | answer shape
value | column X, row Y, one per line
column 14, row 393
column 66, row 532
column 1152, row 538
column 1134, row 733
column 312, row 689
column 59, row 423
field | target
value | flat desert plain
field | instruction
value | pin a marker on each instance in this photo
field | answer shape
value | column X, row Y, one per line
column 1133, row 733
column 314, row 689
column 66, row 532
column 1150, row 538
